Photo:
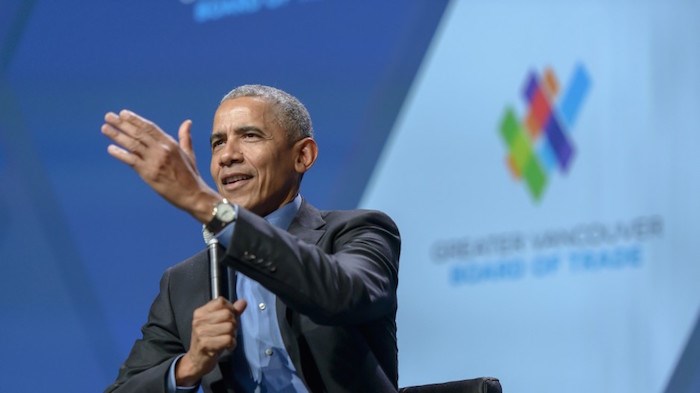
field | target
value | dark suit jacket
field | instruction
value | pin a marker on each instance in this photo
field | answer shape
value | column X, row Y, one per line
column 335, row 274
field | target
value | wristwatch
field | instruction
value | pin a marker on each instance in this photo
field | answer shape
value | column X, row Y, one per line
column 223, row 214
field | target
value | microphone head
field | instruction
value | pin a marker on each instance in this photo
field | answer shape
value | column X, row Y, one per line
column 209, row 238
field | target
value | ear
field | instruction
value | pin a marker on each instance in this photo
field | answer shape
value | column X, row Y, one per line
column 306, row 152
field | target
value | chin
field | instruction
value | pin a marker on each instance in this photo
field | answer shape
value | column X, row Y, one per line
column 238, row 202
column 246, row 204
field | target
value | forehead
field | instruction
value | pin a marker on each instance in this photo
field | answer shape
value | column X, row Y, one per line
column 244, row 112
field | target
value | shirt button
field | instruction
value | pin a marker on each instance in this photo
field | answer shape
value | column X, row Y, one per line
column 262, row 306
column 268, row 352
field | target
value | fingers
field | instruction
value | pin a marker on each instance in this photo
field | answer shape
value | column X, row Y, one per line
column 130, row 144
column 119, row 123
column 132, row 130
column 216, row 338
column 184, row 135
column 137, row 141
column 236, row 307
column 217, row 318
column 216, row 310
column 122, row 155
column 138, row 127
column 217, row 304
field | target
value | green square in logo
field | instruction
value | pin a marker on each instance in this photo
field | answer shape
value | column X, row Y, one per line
column 535, row 177
column 510, row 127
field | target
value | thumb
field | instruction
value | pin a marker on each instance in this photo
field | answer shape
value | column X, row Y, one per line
column 185, row 139
column 239, row 306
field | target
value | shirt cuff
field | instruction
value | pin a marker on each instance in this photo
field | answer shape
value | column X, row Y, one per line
column 172, row 385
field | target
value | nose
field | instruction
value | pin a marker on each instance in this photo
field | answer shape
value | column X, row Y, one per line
column 230, row 154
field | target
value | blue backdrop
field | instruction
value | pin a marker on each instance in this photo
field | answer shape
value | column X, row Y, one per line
column 590, row 283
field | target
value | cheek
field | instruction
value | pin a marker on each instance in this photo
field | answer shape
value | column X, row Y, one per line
column 214, row 171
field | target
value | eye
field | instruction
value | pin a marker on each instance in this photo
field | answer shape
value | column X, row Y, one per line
column 216, row 143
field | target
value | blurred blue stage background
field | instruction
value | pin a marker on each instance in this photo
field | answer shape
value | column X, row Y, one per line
column 555, row 252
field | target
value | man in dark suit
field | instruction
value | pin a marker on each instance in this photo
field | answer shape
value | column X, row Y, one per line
column 319, row 287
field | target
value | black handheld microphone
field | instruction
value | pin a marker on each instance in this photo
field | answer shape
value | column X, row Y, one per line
column 213, row 244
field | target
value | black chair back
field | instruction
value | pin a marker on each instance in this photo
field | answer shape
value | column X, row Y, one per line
column 476, row 385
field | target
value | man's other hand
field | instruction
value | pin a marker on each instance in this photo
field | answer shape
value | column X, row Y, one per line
column 214, row 328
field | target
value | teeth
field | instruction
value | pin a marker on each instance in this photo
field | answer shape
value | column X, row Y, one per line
column 234, row 179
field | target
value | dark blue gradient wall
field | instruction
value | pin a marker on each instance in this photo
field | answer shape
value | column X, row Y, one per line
column 82, row 241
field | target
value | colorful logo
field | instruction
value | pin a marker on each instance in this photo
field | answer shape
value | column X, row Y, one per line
column 541, row 142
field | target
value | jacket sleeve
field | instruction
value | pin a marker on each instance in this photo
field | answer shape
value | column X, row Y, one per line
column 349, row 277
column 146, row 368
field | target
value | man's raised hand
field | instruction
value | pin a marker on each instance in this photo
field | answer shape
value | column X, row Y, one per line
column 167, row 166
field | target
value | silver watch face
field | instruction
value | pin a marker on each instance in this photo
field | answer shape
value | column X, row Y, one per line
column 225, row 212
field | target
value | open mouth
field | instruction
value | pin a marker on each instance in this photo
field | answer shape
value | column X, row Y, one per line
column 231, row 181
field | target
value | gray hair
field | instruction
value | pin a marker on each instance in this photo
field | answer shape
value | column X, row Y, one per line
column 291, row 114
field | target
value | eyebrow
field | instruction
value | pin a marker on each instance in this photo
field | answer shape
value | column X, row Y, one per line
column 216, row 135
